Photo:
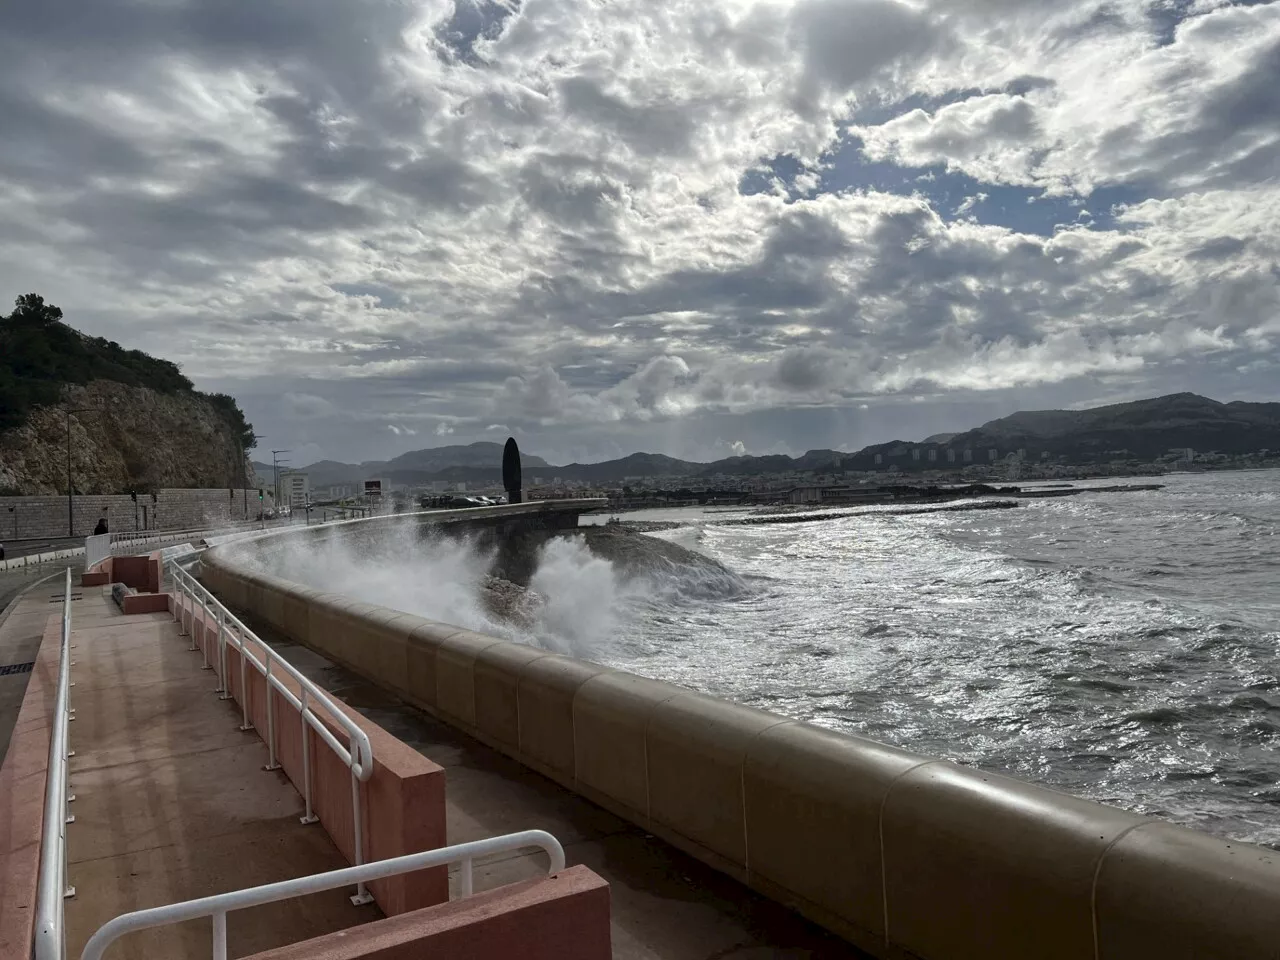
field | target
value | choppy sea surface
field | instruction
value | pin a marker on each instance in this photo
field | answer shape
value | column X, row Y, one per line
column 1118, row 646
column 1121, row 647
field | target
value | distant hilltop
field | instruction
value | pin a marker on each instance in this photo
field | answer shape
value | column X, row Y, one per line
column 1145, row 430
column 130, row 421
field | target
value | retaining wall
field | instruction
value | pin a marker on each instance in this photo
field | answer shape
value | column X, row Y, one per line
column 902, row 855
column 31, row 518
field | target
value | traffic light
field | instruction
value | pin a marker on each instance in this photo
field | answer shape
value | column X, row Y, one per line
column 231, row 494
column 154, row 498
column 133, row 495
column 259, row 494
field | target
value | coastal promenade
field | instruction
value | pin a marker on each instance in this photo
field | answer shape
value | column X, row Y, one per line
column 188, row 778
column 171, row 803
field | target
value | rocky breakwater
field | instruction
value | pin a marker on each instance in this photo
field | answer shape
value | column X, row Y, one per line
column 506, row 592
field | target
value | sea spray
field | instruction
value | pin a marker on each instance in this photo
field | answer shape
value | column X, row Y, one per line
column 579, row 594
column 439, row 579
column 584, row 593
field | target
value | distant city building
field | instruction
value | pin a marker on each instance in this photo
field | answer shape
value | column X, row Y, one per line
column 879, row 459
column 951, row 456
column 968, row 455
column 993, row 454
column 933, row 456
column 915, row 453
column 294, row 487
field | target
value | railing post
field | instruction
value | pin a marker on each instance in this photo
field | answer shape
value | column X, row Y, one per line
column 464, row 877
column 224, row 689
column 218, row 641
column 191, row 612
column 204, row 624
column 306, row 757
column 271, row 720
column 220, row 935
column 177, row 592
column 244, row 689
column 362, row 894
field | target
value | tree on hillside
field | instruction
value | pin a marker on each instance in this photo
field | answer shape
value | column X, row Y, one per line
column 39, row 354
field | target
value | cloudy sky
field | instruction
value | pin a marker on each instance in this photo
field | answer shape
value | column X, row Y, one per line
column 688, row 226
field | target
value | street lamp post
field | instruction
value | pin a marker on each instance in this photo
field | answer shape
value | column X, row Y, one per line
column 71, row 521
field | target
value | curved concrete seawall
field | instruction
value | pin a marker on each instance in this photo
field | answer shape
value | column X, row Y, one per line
column 900, row 854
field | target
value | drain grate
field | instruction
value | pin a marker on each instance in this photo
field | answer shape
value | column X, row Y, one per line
column 59, row 598
column 13, row 668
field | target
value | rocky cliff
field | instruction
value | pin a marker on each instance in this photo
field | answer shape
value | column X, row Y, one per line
column 122, row 438
column 125, row 420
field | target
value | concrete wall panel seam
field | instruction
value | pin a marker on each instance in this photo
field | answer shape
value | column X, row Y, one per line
column 648, row 801
column 884, row 868
column 1097, row 872
column 742, row 778
column 519, row 710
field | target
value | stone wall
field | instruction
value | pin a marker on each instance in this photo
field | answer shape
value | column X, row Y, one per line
column 23, row 518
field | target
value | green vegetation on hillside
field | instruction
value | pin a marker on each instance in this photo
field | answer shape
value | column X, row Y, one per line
column 39, row 354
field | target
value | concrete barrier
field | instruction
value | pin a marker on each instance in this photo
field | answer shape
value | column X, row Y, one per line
column 139, row 572
column 563, row 917
column 902, row 855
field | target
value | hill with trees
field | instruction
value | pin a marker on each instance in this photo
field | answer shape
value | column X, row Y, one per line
column 131, row 420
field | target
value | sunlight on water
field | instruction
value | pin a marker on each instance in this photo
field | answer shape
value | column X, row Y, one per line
column 1120, row 647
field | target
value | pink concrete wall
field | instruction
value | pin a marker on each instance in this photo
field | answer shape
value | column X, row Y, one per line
column 402, row 803
column 145, row 603
column 564, row 917
column 141, row 573
column 22, row 784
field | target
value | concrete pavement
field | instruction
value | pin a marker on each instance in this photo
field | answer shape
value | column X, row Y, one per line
column 172, row 801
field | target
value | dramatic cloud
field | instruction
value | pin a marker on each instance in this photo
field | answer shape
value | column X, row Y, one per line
column 639, row 225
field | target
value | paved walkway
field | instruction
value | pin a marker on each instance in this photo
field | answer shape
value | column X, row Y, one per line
column 21, row 627
column 665, row 905
column 172, row 802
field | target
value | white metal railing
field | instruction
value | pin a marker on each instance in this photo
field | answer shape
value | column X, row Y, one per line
column 96, row 549
column 49, row 942
column 357, row 754
column 220, row 905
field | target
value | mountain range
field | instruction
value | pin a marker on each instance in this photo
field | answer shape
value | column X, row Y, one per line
column 1141, row 430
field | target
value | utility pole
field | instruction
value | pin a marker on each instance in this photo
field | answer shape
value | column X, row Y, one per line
column 244, row 473
column 71, row 514
column 71, row 510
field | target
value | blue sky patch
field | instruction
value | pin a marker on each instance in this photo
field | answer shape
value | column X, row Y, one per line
column 1022, row 209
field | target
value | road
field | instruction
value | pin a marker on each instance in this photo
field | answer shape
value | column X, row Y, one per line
column 24, row 547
